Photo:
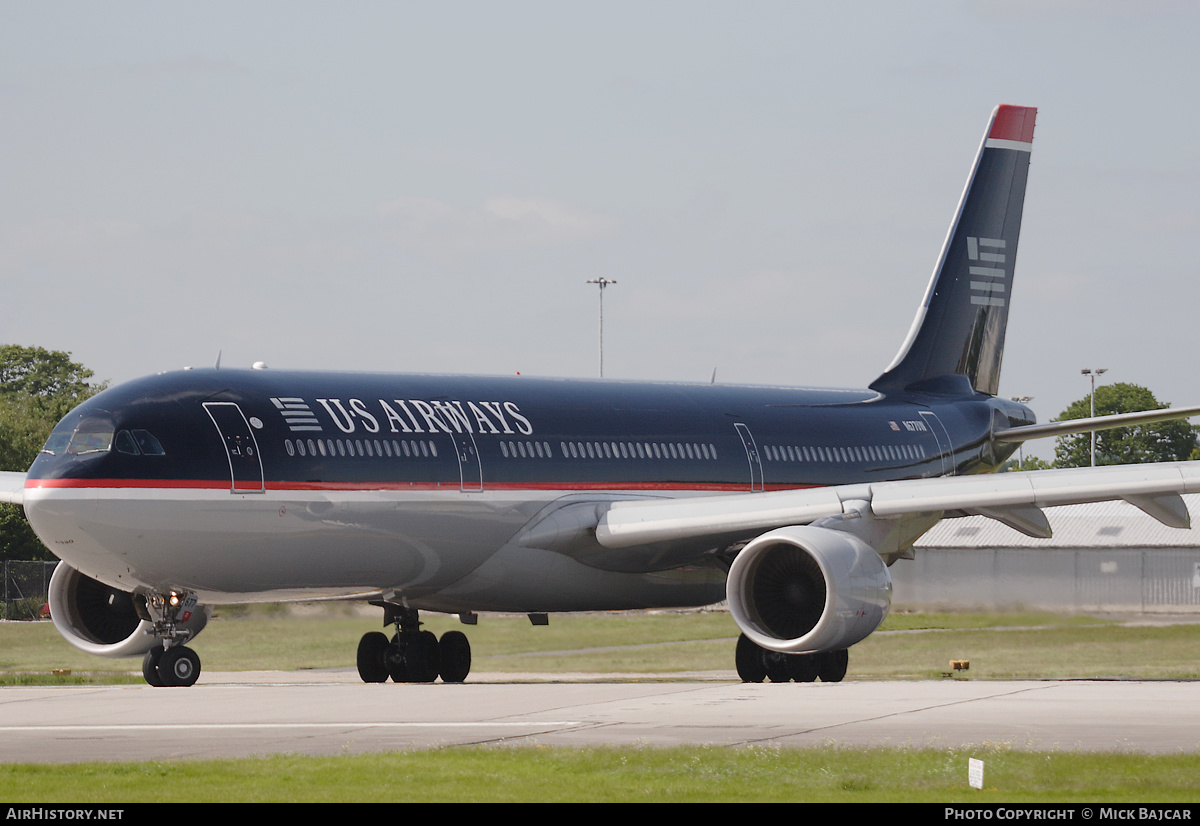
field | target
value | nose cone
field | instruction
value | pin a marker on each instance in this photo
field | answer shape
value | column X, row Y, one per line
column 103, row 462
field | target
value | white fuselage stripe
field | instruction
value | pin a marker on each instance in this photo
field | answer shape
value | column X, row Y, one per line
column 1000, row 143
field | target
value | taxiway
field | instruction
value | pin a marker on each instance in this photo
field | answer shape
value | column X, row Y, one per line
column 321, row 713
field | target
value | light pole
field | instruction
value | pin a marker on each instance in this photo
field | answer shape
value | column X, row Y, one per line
column 1092, row 373
column 603, row 282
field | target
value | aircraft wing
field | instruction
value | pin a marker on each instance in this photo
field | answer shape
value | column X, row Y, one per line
column 12, row 487
column 1013, row 498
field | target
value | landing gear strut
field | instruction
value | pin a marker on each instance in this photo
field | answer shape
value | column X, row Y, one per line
column 755, row 664
column 412, row 655
column 172, row 663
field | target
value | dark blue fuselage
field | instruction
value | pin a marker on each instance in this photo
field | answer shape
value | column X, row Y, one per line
column 265, row 429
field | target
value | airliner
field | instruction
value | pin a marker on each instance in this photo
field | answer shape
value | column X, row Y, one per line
column 472, row 494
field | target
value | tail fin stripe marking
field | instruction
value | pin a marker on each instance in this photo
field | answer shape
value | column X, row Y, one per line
column 1020, row 146
column 986, row 272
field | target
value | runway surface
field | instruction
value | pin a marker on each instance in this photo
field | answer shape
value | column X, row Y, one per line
column 322, row 713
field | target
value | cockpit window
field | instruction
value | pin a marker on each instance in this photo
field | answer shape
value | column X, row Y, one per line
column 124, row 443
column 91, row 437
column 97, row 435
column 149, row 445
column 57, row 443
column 138, row 442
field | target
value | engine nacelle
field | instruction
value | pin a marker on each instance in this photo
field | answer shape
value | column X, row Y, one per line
column 804, row 590
column 102, row 620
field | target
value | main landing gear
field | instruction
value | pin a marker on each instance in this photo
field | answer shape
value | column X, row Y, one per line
column 755, row 663
column 412, row 655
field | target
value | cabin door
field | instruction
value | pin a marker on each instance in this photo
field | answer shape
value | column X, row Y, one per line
column 942, row 438
column 469, row 470
column 245, row 466
column 756, row 471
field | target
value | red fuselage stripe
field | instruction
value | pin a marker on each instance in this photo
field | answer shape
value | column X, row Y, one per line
column 224, row 484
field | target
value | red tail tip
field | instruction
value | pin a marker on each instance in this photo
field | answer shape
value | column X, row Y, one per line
column 1014, row 123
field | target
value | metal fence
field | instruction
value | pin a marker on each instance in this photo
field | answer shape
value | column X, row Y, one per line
column 26, row 588
column 1139, row 580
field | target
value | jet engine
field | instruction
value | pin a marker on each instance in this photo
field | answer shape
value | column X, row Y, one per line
column 103, row 620
column 805, row 589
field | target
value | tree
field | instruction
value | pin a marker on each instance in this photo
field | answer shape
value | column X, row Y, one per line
column 1029, row 463
column 1170, row 441
column 42, row 373
column 37, row 388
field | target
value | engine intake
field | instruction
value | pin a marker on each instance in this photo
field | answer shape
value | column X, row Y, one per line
column 103, row 620
column 804, row 589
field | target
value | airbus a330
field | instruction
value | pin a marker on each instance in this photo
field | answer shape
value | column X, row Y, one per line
column 466, row 494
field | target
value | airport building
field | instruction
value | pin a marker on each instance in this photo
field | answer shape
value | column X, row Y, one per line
column 1105, row 556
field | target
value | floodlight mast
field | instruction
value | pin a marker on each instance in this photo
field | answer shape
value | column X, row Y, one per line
column 1021, row 445
column 1092, row 373
column 603, row 282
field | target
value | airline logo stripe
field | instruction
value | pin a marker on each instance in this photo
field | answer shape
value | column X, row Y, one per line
column 988, row 251
column 297, row 414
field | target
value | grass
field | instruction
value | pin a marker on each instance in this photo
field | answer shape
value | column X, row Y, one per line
column 910, row 645
column 638, row 774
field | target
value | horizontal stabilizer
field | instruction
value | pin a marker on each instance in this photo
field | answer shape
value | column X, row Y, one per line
column 1070, row 426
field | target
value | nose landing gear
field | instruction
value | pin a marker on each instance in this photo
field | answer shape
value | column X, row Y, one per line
column 172, row 663
column 177, row 666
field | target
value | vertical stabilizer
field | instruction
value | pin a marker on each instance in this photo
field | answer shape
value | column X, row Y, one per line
column 959, row 329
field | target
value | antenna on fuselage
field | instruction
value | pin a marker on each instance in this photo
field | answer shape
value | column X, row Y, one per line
column 217, row 366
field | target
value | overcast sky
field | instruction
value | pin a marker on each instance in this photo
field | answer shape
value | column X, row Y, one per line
column 426, row 186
